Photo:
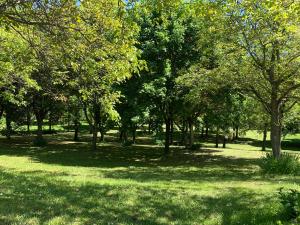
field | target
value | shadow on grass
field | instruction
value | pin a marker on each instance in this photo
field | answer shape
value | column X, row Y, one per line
column 287, row 144
column 41, row 198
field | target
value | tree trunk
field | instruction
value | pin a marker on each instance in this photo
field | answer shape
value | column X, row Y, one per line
column 121, row 134
column 1, row 112
column 28, row 121
column 217, row 138
column 224, row 141
column 39, row 120
column 76, row 130
column 95, row 125
column 149, row 127
column 50, row 122
column 68, row 122
column 276, row 134
column 202, row 132
column 8, row 126
column 134, row 135
column 102, row 134
column 125, row 136
column 206, row 132
column 167, row 136
column 191, row 129
column 171, row 131
column 95, row 137
column 236, row 132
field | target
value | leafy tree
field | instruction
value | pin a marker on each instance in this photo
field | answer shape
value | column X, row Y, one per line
column 265, row 40
column 105, row 56
column 169, row 42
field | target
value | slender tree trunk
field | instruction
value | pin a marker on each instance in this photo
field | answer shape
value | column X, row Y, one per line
column 206, row 132
column 28, row 121
column 76, row 130
column 171, row 131
column 167, row 136
column 39, row 120
column 224, row 141
column 202, row 132
column 217, row 138
column 1, row 112
column 134, row 134
column 125, row 136
column 102, row 134
column 191, row 129
column 50, row 122
column 68, row 122
column 149, row 126
column 8, row 126
column 121, row 134
column 236, row 132
column 95, row 137
column 182, row 129
column 102, row 131
column 264, row 137
column 96, row 122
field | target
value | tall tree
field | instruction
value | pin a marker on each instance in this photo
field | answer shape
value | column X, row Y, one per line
column 170, row 43
column 266, row 56
column 102, row 54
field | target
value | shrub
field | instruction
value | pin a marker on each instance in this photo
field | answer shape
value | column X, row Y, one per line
column 39, row 142
column 286, row 164
column 290, row 200
column 195, row 147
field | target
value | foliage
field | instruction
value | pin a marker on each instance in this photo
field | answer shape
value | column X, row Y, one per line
column 286, row 164
column 290, row 200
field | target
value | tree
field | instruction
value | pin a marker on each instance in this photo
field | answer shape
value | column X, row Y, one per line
column 264, row 46
column 169, row 42
column 102, row 55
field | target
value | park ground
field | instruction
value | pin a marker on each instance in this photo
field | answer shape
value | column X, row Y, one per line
column 66, row 183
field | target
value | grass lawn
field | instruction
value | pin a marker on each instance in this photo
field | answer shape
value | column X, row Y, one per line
column 66, row 183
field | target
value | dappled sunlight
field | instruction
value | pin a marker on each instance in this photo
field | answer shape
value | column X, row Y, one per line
column 67, row 183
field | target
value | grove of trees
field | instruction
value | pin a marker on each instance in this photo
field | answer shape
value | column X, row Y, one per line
column 167, row 66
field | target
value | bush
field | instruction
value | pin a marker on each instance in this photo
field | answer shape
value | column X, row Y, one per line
column 290, row 200
column 195, row 147
column 286, row 164
column 39, row 142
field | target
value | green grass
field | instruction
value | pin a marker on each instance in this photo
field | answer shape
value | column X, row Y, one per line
column 65, row 183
